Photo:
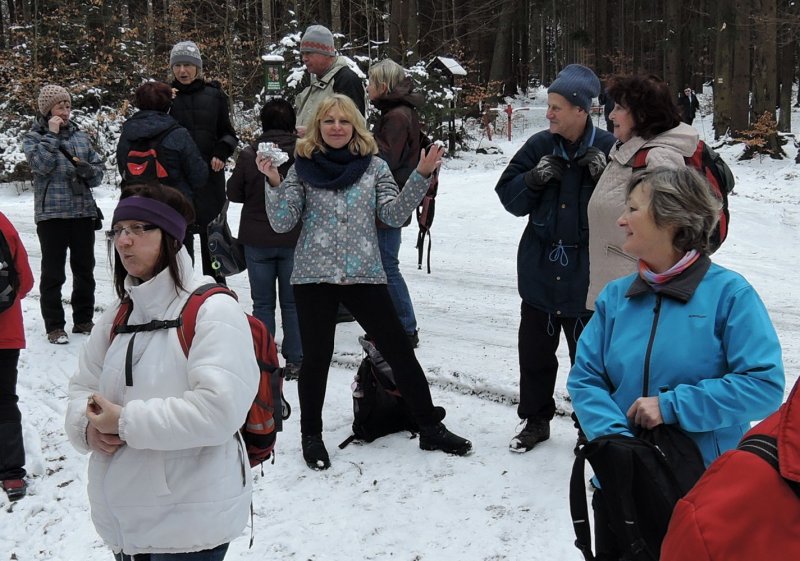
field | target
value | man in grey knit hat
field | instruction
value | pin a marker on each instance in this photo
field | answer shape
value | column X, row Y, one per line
column 550, row 180
column 329, row 74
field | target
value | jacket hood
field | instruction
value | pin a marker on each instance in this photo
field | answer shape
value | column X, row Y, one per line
column 403, row 94
column 682, row 139
column 147, row 124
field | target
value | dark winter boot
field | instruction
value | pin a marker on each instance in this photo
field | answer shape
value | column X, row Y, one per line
column 534, row 432
column 437, row 437
column 314, row 452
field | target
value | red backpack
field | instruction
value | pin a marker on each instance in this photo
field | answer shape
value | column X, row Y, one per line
column 719, row 177
column 262, row 424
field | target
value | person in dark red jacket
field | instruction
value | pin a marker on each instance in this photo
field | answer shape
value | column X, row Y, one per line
column 397, row 133
column 742, row 509
column 12, row 339
column 269, row 255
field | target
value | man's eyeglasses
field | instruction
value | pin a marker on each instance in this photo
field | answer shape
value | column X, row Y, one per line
column 136, row 230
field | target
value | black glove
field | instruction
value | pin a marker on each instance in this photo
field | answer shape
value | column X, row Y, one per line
column 595, row 161
column 84, row 170
column 549, row 168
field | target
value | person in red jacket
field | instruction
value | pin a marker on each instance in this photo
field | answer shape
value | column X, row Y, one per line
column 12, row 339
column 743, row 509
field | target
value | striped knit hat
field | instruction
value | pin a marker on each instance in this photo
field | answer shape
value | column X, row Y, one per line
column 318, row 39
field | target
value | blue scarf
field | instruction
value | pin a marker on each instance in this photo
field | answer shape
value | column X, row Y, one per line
column 335, row 169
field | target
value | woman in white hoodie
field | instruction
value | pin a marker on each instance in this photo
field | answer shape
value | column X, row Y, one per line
column 168, row 474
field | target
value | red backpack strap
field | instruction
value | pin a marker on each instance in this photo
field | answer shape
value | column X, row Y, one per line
column 190, row 309
column 639, row 161
column 123, row 313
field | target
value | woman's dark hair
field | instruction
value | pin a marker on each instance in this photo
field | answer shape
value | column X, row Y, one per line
column 156, row 96
column 169, row 246
column 278, row 114
column 649, row 100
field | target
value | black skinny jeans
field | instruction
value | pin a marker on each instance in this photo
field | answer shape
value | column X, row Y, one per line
column 372, row 307
column 12, row 451
column 56, row 236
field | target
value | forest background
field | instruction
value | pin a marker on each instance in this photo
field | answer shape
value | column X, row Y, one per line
column 102, row 50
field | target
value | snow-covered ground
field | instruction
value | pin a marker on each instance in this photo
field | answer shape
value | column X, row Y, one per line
column 388, row 499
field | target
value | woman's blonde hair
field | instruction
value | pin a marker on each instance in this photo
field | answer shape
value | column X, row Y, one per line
column 362, row 143
column 386, row 72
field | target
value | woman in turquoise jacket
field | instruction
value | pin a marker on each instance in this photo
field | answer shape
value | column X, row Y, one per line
column 698, row 331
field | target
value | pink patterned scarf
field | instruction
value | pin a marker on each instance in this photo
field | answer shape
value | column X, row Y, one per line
column 657, row 279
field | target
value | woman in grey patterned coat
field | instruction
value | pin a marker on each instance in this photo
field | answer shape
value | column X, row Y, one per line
column 65, row 168
column 338, row 188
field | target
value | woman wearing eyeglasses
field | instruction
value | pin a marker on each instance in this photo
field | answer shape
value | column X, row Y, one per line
column 167, row 475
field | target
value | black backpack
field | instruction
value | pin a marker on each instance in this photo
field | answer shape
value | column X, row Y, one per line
column 142, row 165
column 9, row 281
column 642, row 479
column 378, row 407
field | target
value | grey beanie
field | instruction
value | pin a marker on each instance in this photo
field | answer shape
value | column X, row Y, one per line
column 318, row 39
column 186, row 51
column 577, row 84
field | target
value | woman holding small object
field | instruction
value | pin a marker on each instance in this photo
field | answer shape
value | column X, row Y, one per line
column 338, row 188
column 168, row 474
column 269, row 255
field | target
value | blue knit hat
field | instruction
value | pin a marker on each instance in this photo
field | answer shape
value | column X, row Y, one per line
column 577, row 84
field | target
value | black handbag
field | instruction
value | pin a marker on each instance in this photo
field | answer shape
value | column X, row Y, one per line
column 227, row 254
column 98, row 219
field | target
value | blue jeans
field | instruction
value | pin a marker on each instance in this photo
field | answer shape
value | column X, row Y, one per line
column 265, row 266
column 389, row 244
column 216, row 554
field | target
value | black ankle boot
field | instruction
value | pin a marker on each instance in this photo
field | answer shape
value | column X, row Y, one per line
column 437, row 437
column 314, row 452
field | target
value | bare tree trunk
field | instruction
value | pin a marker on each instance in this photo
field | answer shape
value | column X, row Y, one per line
column 266, row 22
column 413, row 32
column 502, row 46
column 764, row 58
column 336, row 16
column 731, row 65
column 787, row 80
column 673, row 59
column 397, row 21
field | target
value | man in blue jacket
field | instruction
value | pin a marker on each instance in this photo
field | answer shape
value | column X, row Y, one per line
column 550, row 180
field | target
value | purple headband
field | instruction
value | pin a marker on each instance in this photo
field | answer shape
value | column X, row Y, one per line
column 154, row 212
